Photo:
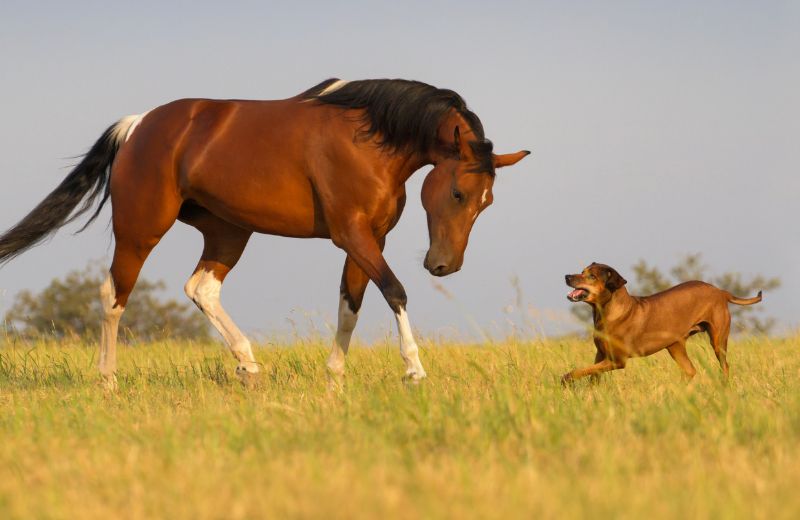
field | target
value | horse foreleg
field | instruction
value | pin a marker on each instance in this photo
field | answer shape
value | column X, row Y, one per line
column 360, row 244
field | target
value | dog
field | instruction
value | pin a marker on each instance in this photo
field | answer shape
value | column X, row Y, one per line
column 628, row 326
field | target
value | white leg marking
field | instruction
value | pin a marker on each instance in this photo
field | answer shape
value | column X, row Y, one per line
column 344, row 331
column 336, row 85
column 107, row 362
column 408, row 347
column 204, row 289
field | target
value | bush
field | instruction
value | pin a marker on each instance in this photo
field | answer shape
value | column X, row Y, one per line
column 71, row 307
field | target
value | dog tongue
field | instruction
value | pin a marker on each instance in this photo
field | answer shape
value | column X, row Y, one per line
column 576, row 293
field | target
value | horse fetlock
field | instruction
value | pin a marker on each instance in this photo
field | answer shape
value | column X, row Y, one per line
column 335, row 365
column 250, row 367
column 415, row 375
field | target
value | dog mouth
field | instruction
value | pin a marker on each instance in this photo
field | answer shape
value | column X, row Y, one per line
column 578, row 295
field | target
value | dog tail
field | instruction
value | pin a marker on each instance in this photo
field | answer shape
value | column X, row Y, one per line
column 744, row 301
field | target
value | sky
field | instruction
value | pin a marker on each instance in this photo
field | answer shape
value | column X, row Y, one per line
column 657, row 129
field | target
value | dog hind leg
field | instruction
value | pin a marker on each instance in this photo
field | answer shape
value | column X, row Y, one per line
column 678, row 352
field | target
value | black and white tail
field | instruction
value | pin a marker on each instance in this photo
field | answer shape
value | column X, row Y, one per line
column 84, row 184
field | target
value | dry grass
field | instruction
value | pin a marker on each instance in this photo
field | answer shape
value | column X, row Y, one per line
column 490, row 434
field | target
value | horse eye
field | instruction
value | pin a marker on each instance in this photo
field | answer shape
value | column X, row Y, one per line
column 458, row 195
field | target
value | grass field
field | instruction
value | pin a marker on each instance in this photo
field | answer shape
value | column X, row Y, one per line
column 491, row 433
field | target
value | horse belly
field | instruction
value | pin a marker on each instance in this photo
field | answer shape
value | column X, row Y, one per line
column 280, row 210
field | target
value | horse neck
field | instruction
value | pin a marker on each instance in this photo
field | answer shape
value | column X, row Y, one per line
column 403, row 165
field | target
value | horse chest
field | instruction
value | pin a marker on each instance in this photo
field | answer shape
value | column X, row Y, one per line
column 388, row 212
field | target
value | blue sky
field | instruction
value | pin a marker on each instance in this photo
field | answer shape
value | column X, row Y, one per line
column 657, row 129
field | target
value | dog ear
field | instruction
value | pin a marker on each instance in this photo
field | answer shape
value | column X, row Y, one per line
column 613, row 280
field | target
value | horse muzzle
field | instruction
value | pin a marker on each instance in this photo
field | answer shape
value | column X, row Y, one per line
column 440, row 265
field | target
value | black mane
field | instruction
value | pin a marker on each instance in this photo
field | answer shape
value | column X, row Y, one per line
column 405, row 114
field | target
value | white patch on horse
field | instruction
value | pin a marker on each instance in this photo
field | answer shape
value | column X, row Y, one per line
column 120, row 130
column 336, row 85
column 344, row 331
column 125, row 126
column 204, row 289
column 484, row 196
column 408, row 347
column 136, row 122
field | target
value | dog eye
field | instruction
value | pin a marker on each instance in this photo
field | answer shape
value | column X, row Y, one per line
column 458, row 195
column 591, row 277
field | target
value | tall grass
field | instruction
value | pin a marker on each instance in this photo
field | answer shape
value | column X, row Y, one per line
column 490, row 434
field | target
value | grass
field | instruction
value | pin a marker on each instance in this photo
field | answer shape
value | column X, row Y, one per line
column 490, row 434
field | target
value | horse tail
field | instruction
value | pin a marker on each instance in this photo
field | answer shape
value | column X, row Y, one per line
column 86, row 182
column 744, row 301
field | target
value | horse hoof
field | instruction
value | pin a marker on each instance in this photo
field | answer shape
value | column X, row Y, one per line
column 109, row 383
column 414, row 377
column 248, row 379
column 335, row 381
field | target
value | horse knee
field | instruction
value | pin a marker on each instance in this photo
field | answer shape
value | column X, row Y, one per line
column 395, row 296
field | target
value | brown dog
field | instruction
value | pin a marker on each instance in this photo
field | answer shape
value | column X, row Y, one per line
column 628, row 326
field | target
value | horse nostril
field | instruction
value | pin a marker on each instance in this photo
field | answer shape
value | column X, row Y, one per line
column 440, row 269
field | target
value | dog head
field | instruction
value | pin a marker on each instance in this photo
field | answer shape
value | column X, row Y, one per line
column 595, row 284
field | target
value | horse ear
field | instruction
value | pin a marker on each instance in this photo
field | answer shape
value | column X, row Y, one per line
column 509, row 159
column 465, row 152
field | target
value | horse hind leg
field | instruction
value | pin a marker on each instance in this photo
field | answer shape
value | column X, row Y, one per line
column 223, row 246
column 135, row 238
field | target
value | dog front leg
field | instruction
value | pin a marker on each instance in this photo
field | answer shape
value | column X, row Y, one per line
column 598, row 357
column 598, row 368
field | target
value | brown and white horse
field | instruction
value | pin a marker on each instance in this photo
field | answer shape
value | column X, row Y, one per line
column 331, row 162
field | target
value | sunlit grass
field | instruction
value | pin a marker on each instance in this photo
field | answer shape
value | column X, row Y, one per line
column 490, row 434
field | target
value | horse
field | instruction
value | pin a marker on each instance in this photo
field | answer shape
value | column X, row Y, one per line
column 331, row 162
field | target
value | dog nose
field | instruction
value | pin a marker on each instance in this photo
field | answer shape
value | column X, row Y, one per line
column 566, row 277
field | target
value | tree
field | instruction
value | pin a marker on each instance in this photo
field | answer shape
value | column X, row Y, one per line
column 650, row 280
column 71, row 307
